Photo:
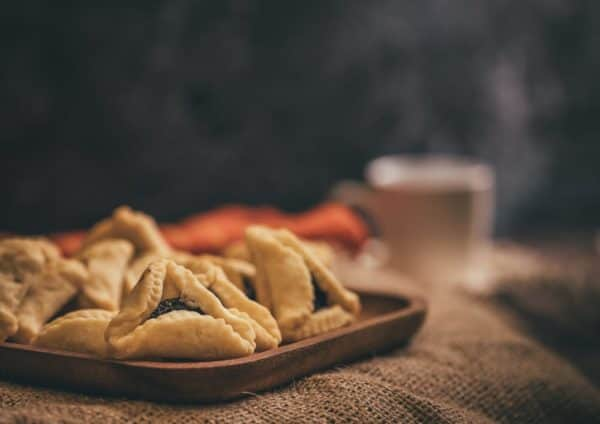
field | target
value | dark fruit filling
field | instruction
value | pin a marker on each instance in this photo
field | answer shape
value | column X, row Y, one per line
column 249, row 288
column 320, row 300
column 169, row 305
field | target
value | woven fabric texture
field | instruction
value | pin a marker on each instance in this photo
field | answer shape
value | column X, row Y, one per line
column 467, row 364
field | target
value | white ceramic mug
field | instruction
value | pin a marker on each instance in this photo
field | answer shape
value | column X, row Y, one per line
column 434, row 213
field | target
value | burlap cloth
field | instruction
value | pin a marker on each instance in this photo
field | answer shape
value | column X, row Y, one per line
column 470, row 363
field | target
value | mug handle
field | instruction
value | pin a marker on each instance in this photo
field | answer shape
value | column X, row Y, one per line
column 359, row 197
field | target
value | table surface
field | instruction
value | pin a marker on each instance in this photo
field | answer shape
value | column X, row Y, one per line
column 476, row 360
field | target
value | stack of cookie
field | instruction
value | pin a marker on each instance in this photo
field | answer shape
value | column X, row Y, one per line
column 131, row 295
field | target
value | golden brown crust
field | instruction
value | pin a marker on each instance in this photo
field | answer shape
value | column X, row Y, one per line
column 11, row 294
column 336, row 292
column 285, row 271
column 321, row 249
column 282, row 280
column 237, row 250
column 50, row 290
column 137, row 227
column 321, row 321
column 237, row 271
column 106, row 262
column 216, row 334
column 267, row 331
column 20, row 258
column 79, row 331
column 34, row 283
column 136, row 268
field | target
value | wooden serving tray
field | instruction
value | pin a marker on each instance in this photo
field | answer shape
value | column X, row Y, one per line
column 387, row 320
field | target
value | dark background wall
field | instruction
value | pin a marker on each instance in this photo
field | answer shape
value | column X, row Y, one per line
column 178, row 106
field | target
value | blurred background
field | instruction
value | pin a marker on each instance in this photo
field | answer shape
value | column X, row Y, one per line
column 178, row 106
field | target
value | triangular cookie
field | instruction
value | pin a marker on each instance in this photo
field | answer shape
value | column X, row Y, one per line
column 267, row 331
column 219, row 281
column 50, row 290
column 137, row 227
column 20, row 260
column 170, row 314
column 303, row 294
column 323, row 276
column 79, row 331
column 239, row 272
column 106, row 262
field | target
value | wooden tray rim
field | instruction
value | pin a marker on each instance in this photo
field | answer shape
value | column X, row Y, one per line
column 414, row 304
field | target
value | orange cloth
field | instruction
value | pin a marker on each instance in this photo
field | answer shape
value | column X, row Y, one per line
column 214, row 230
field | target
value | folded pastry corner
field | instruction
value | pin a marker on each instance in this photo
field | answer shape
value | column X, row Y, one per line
column 137, row 227
column 325, row 279
column 106, row 261
column 78, row 331
column 268, row 335
column 136, row 268
column 321, row 249
column 141, row 231
column 305, row 297
column 282, row 281
column 239, row 272
column 170, row 314
column 20, row 260
column 320, row 322
column 50, row 290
